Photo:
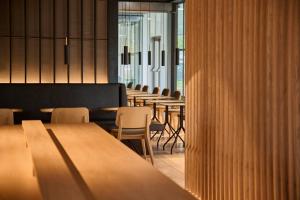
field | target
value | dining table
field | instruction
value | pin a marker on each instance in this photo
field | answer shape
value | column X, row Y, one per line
column 76, row 161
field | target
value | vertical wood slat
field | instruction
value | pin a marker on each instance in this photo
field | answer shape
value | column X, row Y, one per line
column 243, row 94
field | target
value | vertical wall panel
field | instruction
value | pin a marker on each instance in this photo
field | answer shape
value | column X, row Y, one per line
column 75, row 61
column 33, row 18
column 47, row 18
column 61, row 72
column 33, row 60
column 4, row 60
column 75, row 16
column 101, row 61
column 47, row 61
column 4, row 19
column 88, row 19
column 243, row 87
column 17, row 23
column 101, row 26
column 18, row 60
column 88, row 62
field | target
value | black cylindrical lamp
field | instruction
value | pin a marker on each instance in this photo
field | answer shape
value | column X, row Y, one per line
column 177, row 56
column 122, row 58
column 129, row 58
column 66, row 52
column 163, row 60
column 140, row 58
column 126, row 55
column 149, row 57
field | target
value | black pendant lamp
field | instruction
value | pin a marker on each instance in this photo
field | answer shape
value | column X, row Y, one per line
column 122, row 58
column 177, row 56
column 163, row 53
column 140, row 53
column 129, row 58
column 126, row 62
column 66, row 51
column 125, row 50
column 149, row 23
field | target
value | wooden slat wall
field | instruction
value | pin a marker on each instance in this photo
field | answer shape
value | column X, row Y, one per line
column 243, row 96
column 40, row 57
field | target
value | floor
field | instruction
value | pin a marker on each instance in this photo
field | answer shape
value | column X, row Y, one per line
column 172, row 165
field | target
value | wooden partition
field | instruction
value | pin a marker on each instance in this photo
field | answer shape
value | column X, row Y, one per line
column 243, row 87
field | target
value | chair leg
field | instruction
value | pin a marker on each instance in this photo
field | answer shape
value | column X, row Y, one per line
column 149, row 150
column 144, row 148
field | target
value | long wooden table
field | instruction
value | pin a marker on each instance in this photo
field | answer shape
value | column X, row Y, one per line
column 84, row 162
column 17, row 180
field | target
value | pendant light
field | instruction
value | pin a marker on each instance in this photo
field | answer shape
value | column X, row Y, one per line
column 140, row 53
column 149, row 51
column 128, row 34
column 126, row 40
column 163, row 53
column 66, row 51
column 177, row 56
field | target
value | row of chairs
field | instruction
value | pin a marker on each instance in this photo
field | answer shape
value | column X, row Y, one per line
column 59, row 115
column 131, row 122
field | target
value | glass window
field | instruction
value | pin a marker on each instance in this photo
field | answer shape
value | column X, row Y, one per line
column 181, row 45
column 142, row 31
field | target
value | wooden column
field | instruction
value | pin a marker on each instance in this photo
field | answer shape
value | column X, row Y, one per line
column 243, row 89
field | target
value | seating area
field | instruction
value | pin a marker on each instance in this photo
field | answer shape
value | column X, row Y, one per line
column 149, row 100
column 167, row 113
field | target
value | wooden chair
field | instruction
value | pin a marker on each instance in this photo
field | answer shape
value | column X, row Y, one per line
column 165, row 92
column 145, row 88
column 133, row 124
column 129, row 85
column 6, row 117
column 70, row 115
column 155, row 90
column 138, row 87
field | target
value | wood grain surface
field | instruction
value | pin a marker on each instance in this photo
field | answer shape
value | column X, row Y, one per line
column 242, row 96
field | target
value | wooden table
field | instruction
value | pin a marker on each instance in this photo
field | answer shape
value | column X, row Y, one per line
column 101, row 166
column 17, row 180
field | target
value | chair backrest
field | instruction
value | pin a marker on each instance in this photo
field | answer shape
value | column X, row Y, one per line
column 70, row 115
column 165, row 92
column 145, row 88
column 155, row 90
column 6, row 117
column 133, row 117
column 129, row 85
column 176, row 94
column 138, row 87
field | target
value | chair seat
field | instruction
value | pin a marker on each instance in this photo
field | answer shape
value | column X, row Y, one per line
column 130, row 133
column 156, row 126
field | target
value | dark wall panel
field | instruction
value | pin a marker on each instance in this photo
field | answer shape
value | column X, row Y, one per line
column 4, row 19
column 60, row 18
column 32, row 18
column 17, row 17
